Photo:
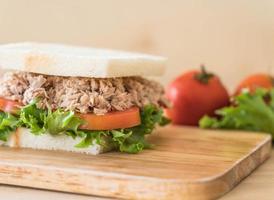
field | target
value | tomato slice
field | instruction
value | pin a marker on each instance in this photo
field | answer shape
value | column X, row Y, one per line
column 113, row 120
column 9, row 105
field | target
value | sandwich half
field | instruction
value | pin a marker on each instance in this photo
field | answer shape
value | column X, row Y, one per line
column 59, row 97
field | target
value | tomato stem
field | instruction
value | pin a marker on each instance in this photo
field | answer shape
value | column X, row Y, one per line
column 204, row 76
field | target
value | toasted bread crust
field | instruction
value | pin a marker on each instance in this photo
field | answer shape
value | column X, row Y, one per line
column 64, row 60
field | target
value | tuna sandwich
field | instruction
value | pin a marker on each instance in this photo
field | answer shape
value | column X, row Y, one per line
column 58, row 97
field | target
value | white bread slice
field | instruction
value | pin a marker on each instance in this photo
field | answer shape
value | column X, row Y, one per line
column 65, row 60
column 23, row 138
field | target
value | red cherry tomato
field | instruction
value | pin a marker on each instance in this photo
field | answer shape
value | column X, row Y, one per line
column 193, row 95
column 255, row 81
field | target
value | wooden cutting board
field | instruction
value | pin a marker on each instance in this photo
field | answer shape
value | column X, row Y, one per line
column 187, row 163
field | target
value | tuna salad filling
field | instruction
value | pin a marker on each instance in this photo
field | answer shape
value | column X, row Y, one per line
column 83, row 95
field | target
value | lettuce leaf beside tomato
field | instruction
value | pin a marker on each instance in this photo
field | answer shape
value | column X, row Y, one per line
column 39, row 121
column 8, row 124
column 254, row 112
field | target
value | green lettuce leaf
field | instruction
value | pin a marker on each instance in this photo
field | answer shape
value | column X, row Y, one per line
column 8, row 124
column 40, row 121
column 30, row 116
column 254, row 112
column 59, row 121
column 91, row 137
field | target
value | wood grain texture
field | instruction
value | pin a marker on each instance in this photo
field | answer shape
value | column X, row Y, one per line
column 187, row 163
